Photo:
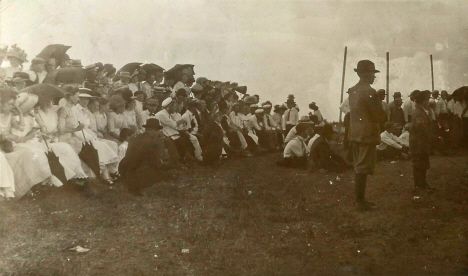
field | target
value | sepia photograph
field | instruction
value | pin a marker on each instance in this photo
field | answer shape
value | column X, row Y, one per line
column 233, row 137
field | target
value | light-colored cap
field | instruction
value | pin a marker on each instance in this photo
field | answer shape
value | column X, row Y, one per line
column 267, row 106
column 259, row 111
column 167, row 102
column 254, row 106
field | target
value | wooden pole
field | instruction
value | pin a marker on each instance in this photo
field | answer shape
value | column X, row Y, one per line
column 342, row 82
column 432, row 74
column 388, row 76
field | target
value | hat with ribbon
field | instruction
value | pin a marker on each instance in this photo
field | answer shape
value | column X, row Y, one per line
column 167, row 102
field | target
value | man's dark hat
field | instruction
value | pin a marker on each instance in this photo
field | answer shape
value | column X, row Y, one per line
column 327, row 129
column 366, row 66
column 420, row 96
column 153, row 124
column 397, row 95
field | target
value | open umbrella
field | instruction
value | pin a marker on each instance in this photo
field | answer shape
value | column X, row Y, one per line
column 67, row 75
column 241, row 89
column 90, row 156
column 129, row 67
column 56, row 51
column 152, row 68
column 460, row 93
column 45, row 90
column 180, row 67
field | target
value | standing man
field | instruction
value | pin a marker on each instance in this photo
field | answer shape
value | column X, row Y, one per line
column 381, row 94
column 408, row 107
column 364, row 135
column 291, row 116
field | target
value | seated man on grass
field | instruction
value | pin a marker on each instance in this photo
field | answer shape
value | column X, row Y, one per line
column 391, row 146
column 322, row 155
column 296, row 151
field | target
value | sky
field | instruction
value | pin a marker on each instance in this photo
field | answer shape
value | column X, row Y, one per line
column 276, row 48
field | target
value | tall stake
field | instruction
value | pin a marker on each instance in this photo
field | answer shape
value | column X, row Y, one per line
column 388, row 76
column 432, row 74
column 342, row 80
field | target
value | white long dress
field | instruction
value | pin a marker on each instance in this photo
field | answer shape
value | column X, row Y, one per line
column 67, row 156
column 30, row 167
column 76, row 139
column 7, row 178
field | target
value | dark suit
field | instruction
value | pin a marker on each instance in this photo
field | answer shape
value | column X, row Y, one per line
column 213, row 135
column 420, row 138
column 325, row 158
column 365, row 116
column 147, row 156
column 202, row 119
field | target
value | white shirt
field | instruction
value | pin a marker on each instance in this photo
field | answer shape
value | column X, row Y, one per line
column 237, row 119
column 319, row 115
column 190, row 119
column 344, row 107
column 133, row 87
column 441, row 107
column 291, row 117
column 253, row 124
column 145, row 115
column 389, row 139
column 147, row 89
column 291, row 135
column 130, row 117
column 408, row 107
column 169, row 125
column 82, row 115
column 269, row 122
column 296, row 148
column 404, row 138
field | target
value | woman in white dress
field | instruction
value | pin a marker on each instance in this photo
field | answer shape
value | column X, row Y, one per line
column 130, row 115
column 116, row 119
column 7, row 178
column 30, row 167
column 47, row 119
column 93, row 107
column 71, row 132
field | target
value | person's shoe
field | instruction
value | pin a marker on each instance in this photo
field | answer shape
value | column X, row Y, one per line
column 361, row 207
column 115, row 176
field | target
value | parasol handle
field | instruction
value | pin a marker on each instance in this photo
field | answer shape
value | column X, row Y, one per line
column 84, row 137
column 43, row 136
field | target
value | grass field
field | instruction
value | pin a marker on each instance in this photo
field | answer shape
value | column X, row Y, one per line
column 245, row 217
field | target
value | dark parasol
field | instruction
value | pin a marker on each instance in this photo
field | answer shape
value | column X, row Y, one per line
column 179, row 68
column 56, row 51
column 460, row 93
column 45, row 90
column 129, row 67
column 89, row 155
column 152, row 68
column 55, row 167
column 68, row 75
column 241, row 89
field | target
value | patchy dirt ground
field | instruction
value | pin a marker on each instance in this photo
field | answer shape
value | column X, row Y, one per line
column 246, row 217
